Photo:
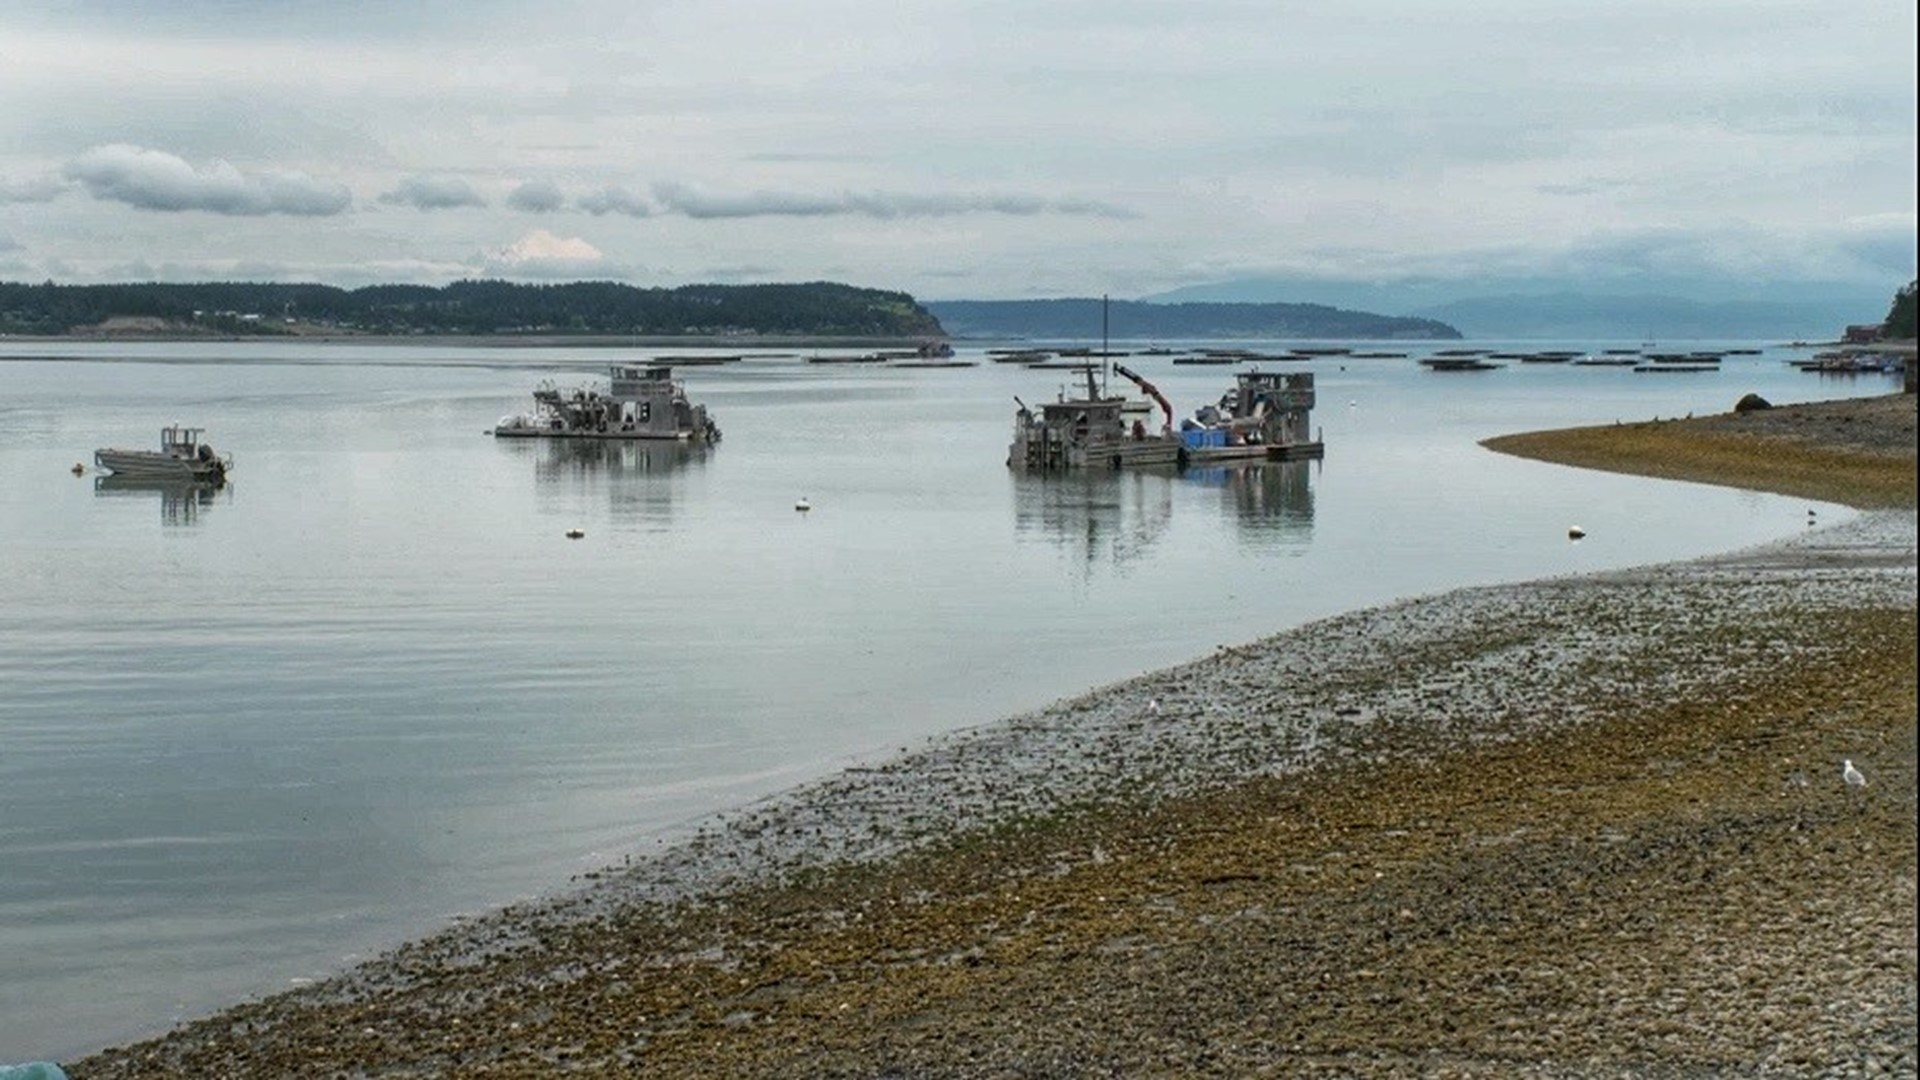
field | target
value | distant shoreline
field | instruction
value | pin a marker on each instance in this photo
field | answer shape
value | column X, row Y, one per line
column 485, row 341
column 707, row 341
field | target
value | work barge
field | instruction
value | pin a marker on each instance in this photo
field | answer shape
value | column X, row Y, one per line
column 641, row 401
column 1263, row 417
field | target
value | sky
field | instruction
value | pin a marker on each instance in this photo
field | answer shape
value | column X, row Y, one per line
column 961, row 149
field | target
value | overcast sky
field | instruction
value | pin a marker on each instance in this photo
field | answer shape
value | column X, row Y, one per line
column 956, row 148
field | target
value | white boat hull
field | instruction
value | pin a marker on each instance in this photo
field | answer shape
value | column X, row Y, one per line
column 147, row 464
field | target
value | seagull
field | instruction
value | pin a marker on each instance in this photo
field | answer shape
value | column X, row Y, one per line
column 1852, row 775
column 1153, row 705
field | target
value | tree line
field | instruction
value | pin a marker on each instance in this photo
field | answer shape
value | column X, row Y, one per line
column 1901, row 316
column 472, row 307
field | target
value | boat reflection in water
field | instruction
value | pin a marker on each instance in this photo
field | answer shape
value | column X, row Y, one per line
column 563, row 459
column 1103, row 516
column 1118, row 516
column 181, row 501
column 637, row 477
column 1271, row 502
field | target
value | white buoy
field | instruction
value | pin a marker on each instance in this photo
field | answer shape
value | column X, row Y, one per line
column 1852, row 775
column 803, row 505
column 575, row 534
column 1575, row 532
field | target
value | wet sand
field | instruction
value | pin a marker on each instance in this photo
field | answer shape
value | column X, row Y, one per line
column 1587, row 826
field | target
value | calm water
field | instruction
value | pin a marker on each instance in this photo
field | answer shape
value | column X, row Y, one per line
column 370, row 685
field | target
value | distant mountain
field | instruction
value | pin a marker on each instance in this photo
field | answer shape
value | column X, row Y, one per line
column 1562, row 306
column 1133, row 320
column 1570, row 315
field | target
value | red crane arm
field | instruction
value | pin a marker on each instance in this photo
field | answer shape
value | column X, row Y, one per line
column 1150, row 390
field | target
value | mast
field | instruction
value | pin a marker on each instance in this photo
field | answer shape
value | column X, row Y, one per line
column 1106, row 358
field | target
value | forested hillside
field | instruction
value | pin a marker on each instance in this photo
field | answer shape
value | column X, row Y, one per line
column 470, row 307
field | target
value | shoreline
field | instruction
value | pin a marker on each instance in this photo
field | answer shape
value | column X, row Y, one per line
column 485, row 341
column 1162, row 875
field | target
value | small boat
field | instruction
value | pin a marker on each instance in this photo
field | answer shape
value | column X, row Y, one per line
column 183, row 455
column 640, row 402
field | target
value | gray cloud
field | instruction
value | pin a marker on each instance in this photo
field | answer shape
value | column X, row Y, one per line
column 7, row 242
column 156, row 180
column 682, row 199
column 434, row 193
column 615, row 200
column 1579, row 188
column 39, row 190
column 1884, row 243
column 536, row 197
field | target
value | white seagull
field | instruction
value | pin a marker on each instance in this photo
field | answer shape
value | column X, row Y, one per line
column 1852, row 775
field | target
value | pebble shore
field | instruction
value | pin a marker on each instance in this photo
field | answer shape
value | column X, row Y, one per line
column 1588, row 826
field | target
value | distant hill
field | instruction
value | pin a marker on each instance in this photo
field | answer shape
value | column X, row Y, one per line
column 468, row 307
column 1568, row 306
column 1135, row 320
column 1568, row 315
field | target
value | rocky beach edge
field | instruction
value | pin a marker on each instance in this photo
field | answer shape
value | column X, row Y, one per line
column 1585, row 826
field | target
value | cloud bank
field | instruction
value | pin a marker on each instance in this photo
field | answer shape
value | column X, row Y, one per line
column 40, row 190
column 537, row 197
column 615, row 200
column 156, row 180
column 683, row 199
column 434, row 193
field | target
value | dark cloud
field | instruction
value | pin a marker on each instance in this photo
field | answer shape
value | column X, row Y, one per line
column 615, row 200
column 434, row 193
column 156, row 180
column 1886, row 244
column 682, row 199
column 536, row 197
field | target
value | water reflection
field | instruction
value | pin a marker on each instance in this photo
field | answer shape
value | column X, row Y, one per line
column 1117, row 516
column 1099, row 516
column 181, row 501
column 1270, row 502
column 560, row 459
column 634, row 473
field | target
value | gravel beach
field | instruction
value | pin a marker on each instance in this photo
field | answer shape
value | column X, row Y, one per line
column 1587, row 826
